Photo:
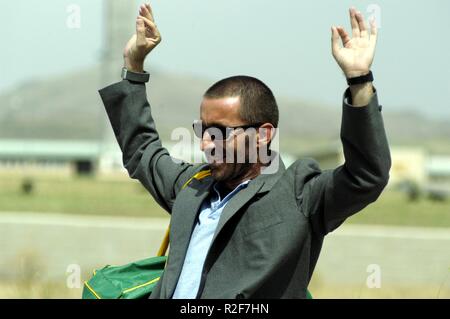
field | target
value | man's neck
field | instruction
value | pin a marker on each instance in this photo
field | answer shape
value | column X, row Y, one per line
column 249, row 173
column 252, row 173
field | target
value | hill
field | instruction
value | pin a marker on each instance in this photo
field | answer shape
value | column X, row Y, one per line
column 69, row 107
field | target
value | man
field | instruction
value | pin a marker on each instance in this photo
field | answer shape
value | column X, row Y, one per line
column 239, row 230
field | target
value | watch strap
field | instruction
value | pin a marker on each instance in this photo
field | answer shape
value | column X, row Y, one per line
column 360, row 79
column 135, row 76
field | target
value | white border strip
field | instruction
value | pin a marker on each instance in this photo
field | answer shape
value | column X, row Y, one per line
column 81, row 221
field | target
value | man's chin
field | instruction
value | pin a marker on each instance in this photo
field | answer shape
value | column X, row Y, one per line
column 217, row 170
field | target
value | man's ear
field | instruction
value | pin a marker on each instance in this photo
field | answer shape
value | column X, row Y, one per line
column 266, row 132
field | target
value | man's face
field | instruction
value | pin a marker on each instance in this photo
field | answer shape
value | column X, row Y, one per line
column 222, row 155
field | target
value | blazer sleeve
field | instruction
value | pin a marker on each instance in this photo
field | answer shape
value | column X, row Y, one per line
column 331, row 196
column 144, row 157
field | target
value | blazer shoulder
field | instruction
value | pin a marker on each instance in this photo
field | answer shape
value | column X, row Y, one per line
column 303, row 171
column 306, row 168
column 198, row 172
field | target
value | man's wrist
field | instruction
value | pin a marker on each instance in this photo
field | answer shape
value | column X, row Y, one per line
column 361, row 94
column 355, row 74
column 134, row 66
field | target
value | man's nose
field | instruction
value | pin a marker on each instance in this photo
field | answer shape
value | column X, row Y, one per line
column 207, row 142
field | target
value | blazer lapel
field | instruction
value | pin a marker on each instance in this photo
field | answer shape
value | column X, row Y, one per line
column 182, row 223
column 262, row 183
column 185, row 212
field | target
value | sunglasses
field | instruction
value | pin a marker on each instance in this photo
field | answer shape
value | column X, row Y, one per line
column 217, row 131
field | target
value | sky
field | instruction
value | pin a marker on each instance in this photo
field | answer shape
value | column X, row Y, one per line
column 285, row 43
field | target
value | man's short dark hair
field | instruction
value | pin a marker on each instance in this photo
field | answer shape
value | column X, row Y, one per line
column 258, row 104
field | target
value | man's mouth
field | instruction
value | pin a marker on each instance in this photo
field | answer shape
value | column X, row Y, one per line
column 214, row 162
column 210, row 157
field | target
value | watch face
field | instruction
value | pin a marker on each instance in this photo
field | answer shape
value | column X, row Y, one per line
column 124, row 73
column 135, row 77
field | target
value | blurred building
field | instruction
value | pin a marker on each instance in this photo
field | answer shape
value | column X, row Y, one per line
column 414, row 170
column 79, row 156
column 438, row 168
column 408, row 164
column 40, row 126
column 438, row 171
column 412, row 164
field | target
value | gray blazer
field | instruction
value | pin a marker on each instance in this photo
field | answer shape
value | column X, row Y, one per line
column 270, row 234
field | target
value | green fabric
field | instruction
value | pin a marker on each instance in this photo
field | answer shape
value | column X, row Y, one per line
column 132, row 281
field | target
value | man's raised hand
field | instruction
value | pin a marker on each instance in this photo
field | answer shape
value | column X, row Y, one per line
column 147, row 37
column 356, row 54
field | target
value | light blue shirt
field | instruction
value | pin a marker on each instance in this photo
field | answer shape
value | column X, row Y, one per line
column 202, row 236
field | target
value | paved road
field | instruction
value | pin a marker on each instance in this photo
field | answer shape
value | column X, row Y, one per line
column 404, row 256
column 47, row 243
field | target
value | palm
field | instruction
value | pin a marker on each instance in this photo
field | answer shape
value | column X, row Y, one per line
column 147, row 36
column 356, row 55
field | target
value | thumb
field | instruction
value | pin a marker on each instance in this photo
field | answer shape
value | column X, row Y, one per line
column 334, row 40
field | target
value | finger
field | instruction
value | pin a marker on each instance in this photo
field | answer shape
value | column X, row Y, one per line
column 354, row 22
column 152, row 26
column 143, row 11
column 140, row 31
column 149, row 8
column 344, row 36
column 373, row 31
column 146, row 16
column 362, row 25
column 335, row 40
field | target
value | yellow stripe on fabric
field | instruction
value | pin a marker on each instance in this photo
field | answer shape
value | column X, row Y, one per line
column 200, row 175
column 92, row 290
column 140, row 286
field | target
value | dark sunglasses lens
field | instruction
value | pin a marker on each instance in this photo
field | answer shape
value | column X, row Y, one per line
column 198, row 129
column 219, row 133
column 215, row 132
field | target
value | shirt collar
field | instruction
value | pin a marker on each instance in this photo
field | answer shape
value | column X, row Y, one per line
column 235, row 190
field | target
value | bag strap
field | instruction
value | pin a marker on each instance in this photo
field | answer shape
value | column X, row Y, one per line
column 165, row 243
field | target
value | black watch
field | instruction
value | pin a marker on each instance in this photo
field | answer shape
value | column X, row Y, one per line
column 134, row 76
column 360, row 79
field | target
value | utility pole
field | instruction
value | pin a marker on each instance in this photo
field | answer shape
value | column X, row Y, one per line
column 118, row 26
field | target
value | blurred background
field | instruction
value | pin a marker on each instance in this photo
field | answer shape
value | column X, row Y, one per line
column 67, row 205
